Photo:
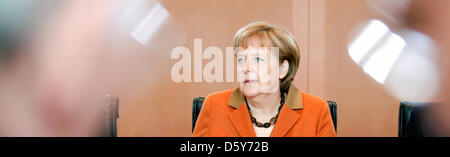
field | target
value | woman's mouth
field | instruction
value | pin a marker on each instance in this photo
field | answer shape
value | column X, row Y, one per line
column 249, row 81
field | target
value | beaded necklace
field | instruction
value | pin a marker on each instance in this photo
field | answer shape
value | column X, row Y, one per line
column 272, row 121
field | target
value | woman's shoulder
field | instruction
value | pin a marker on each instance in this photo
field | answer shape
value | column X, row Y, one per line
column 223, row 93
column 312, row 100
column 218, row 101
column 220, row 95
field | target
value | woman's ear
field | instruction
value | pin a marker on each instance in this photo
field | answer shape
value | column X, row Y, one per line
column 284, row 68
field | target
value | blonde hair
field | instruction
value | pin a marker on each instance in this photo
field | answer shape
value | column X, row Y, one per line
column 272, row 36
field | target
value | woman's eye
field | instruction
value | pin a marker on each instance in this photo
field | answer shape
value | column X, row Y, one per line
column 258, row 59
column 240, row 60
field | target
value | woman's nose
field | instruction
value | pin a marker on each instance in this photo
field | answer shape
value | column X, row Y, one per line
column 247, row 66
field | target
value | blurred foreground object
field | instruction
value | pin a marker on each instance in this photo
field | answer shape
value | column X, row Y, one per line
column 433, row 18
column 408, row 54
column 58, row 59
column 403, row 60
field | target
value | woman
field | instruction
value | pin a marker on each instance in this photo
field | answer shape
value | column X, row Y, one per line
column 266, row 103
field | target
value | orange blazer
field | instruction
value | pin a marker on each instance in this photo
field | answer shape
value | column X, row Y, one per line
column 224, row 114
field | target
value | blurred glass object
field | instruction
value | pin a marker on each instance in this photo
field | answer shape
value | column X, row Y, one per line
column 150, row 24
column 402, row 62
column 415, row 76
column 432, row 17
column 394, row 11
column 380, row 63
column 421, row 71
column 367, row 39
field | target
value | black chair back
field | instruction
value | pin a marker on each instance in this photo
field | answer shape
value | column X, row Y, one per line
column 111, row 113
column 196, row 107
column 409, row 121
column 333, row 111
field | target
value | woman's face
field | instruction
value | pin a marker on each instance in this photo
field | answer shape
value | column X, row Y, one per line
column 258, row 70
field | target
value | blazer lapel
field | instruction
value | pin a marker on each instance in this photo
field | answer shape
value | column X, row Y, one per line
column 286, row 119
column 241, row 121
